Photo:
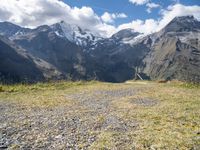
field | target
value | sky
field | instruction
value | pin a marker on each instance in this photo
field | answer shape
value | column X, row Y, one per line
column 104, row 17
column 132, row 10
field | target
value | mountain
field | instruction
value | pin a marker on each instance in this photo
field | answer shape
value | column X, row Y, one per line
column 125, row 34
column 117, row 57
column 182, row 24
column 10, row 30
column 68, row 57
column 57, row 45
column 175, row 51
column 66, row 51
column 15, row 65
column 75, row 34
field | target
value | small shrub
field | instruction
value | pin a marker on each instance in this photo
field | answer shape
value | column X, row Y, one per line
column 1, row 89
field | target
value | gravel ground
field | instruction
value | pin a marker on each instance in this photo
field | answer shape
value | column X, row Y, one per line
column 66, row 127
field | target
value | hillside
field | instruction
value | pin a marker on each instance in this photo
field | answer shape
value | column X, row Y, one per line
column 15, row 65
column 175, row 51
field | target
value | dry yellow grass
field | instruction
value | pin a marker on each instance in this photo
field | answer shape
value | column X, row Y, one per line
column 167, row 115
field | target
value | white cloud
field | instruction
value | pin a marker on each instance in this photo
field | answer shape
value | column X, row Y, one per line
column 37, row 12
column 178, row 10
column 146, row 27
column 121, row 15
column 139, row 2
column 151, row 25
column 32, row 13
column 109, row 18
column 151, row 6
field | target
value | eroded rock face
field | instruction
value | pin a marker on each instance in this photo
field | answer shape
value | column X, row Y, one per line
column 64, row 51
column 175, row 51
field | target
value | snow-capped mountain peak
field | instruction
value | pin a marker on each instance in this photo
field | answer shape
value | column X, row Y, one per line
column 75, row 34
column 11, row 30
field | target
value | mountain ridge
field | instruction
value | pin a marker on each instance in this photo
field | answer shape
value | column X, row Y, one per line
column 74, row 53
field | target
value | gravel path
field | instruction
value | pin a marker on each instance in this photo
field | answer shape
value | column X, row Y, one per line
column 74, row 127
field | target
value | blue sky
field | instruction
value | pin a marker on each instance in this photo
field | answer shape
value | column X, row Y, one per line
column 102, row 17
column 124, row 6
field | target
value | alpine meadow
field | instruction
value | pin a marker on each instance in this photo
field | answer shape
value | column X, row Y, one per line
column 99, row 75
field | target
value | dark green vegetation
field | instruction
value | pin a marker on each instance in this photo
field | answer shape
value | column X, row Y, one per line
column 94, row 115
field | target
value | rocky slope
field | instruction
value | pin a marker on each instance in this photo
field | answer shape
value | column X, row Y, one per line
column 69, row 52
column 45, row 44
column 15, row 64
column 175, row 51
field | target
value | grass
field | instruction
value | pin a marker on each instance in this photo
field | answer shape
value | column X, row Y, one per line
column 59, row 85
column 173, row 122
column 41, row 94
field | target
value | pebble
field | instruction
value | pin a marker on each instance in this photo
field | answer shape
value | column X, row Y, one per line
column 67, row 127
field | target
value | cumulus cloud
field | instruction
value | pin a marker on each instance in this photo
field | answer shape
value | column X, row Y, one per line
column 109, row 18
column 139, row 2
column 151, row 25
column 32, row 13
column 146, row 27
column 178, row 10
column 151, row 6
